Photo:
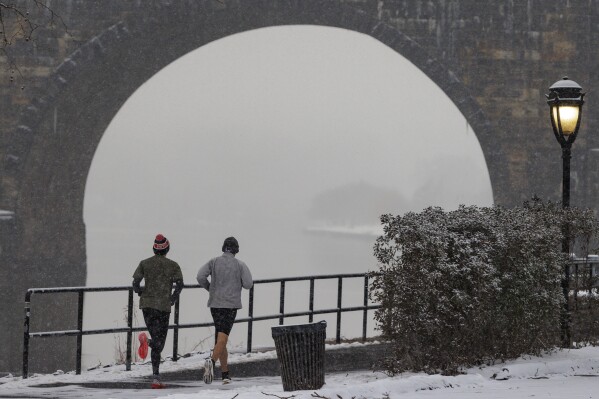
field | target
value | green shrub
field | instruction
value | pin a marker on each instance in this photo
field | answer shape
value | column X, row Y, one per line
column 473, row 285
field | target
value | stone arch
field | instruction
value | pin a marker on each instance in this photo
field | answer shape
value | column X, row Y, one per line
column 56, row 141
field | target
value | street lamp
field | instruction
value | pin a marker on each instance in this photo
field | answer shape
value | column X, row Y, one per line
column 565, row 101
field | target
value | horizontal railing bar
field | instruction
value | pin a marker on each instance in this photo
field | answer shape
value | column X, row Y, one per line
column 106, row 331
column 585, row 261
column 126, row 288
column 84, row 332
column 196, row 325
column 55, row 333
column 321, row 277
column 116, row 330
column 306, row 313
column 76, row 289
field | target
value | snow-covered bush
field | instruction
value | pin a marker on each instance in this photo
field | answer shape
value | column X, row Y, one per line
column 473, row 285
column 584, row 293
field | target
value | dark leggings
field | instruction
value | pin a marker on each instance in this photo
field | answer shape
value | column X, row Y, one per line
column 157, row 324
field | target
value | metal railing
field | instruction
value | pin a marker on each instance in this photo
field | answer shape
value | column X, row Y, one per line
column 79, row 332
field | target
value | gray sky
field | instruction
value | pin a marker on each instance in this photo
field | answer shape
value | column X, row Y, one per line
column 248, row 135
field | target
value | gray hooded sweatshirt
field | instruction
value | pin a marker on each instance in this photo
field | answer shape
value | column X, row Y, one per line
column 227, row 276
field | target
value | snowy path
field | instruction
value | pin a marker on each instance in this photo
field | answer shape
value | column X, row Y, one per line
column 571, row 374
column 358, row 385
column 188, row 389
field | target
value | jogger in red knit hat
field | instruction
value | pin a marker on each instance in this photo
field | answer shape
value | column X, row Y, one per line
column 156, row 300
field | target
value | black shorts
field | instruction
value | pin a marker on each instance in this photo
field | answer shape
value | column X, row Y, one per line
column 223, row 319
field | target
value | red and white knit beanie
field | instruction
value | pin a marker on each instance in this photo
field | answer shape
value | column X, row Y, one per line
column 160, row 243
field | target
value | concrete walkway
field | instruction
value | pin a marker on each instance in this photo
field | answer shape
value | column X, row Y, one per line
column 336, row 360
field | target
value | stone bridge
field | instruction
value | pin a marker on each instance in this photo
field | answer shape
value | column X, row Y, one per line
column 495, row 59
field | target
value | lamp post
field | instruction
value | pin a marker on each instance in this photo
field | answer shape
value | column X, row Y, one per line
column 565, row 101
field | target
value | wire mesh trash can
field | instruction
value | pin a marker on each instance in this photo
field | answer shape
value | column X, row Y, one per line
column 300, row 350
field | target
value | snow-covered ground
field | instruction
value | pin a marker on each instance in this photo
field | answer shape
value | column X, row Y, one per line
column 571, row 374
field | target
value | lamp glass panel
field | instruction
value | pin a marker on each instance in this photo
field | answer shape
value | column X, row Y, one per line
column 568, row 115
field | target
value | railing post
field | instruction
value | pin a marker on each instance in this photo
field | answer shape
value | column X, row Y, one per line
column 130, row 332
column 80, row 331
column 591, row 283
column 339, row 290
column 311, row 317
column 251, row 321
column 365, row 316
column 282, row 303
column 176, row 331
column 26, row 334
column 576, row 270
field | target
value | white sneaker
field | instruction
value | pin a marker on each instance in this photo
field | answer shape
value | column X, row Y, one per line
column 226, row 378
column 208, row 371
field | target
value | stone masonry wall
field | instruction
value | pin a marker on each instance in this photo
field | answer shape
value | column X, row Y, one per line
column 494, row 59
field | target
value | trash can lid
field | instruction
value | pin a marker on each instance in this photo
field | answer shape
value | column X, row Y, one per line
column 299, row 328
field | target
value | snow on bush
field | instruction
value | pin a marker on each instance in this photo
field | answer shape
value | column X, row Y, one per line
column 474, row 285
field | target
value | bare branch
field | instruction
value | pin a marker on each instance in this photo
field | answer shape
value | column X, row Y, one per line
column 277, row 396
column 53, row 15
column 17, row 23
column 24, row 27
column 316, row 395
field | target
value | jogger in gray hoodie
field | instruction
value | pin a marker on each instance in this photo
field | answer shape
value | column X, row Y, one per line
column 228, row 275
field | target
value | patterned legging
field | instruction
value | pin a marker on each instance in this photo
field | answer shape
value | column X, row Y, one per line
column 157, row 324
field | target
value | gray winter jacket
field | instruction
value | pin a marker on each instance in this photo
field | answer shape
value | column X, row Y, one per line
column 227, row 276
